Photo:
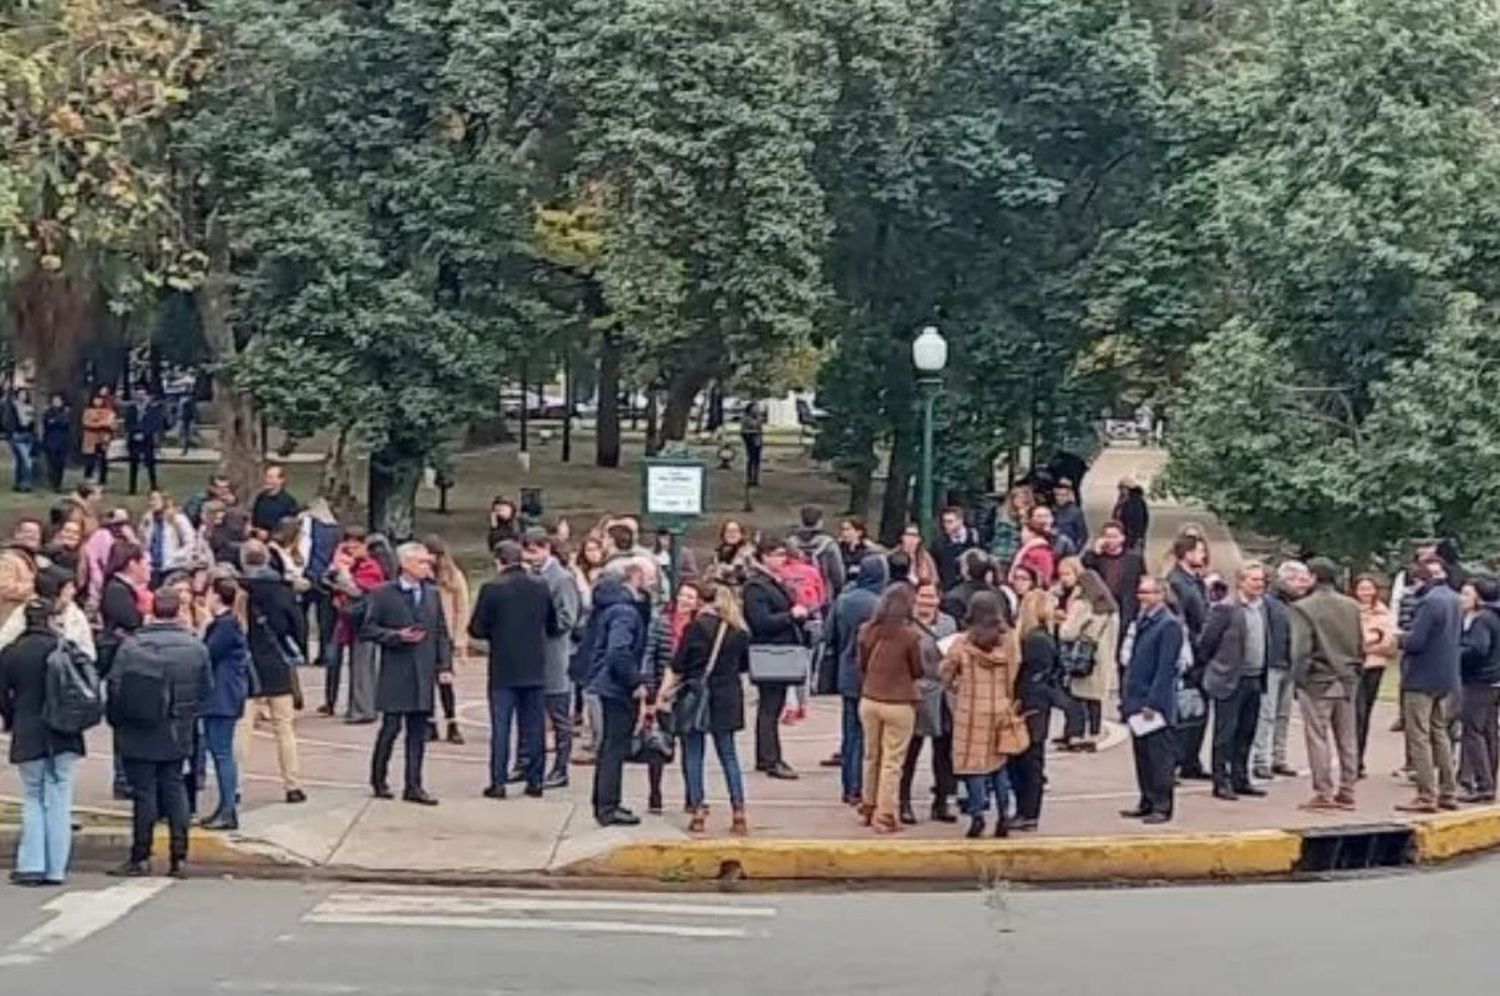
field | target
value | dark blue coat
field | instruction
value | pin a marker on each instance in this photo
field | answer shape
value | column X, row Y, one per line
column 618, row 639
column 229, row 669
column 1431, row 649
column 850, row 611
column 1151, row 675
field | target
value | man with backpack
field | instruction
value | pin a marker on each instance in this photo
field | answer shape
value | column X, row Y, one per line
column 159, row 677
column 274, row 631
column 49, row 696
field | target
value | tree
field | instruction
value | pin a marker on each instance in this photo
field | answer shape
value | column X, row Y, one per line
column 87, row 223
column 372, row 231
column 1348, row 175
column 696, row 124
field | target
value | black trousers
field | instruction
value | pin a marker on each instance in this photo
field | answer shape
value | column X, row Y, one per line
column 1189, row 740
column 385, row 744
column 560, row 715
column 57, row 466
column 1235, row 719
column 96, row 465
column 141, row 452
column 333, row 662
column 1480, row 714
column 753, row 447
column 768, row 726
column 1364, row 706
column 943, row 782
column 1028, row 770
column 157, row 789
column 1155, row 762
column 614, row 746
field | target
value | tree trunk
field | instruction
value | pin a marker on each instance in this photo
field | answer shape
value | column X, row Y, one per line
column 653, row 436
column 395, row 473
column 682, row 389
column 240, row 448
column 861, row 486
column 337, row 484
column 895, row 509
column 607, row 429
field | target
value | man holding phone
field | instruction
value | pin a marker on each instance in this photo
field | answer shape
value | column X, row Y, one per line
column 405, row 618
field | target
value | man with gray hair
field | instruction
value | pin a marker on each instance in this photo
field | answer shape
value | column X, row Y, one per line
column 1293, row 580
column 1236, row 648
column 405, row 618
column 562, row 588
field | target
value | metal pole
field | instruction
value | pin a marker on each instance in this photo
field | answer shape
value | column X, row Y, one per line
column 525, row 442
column 567, row 434
column 675, row 558
column 928, row 386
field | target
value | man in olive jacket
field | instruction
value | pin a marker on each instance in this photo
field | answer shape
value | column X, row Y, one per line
column 160, row 674
column 1327, row 654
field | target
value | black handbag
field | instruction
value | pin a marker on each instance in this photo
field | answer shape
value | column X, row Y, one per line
column 1078, row 657
column 689, row 712
column 650, row 744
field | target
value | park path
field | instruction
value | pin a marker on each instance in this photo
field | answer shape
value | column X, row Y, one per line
column 1168, row 517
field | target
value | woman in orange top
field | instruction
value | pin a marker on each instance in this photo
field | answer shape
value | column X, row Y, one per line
column 1379, row 625
column 98, row 432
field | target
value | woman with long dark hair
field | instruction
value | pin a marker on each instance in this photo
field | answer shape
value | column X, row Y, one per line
column 890, row 659
column 1088, row 635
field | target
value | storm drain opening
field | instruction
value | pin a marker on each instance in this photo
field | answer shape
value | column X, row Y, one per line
column 1326, row 849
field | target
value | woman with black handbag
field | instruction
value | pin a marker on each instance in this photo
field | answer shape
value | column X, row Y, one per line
column 778, row 639
column 707, row 698
column 1088, row 635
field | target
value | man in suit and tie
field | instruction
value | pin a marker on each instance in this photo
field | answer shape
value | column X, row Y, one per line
column 405, row 618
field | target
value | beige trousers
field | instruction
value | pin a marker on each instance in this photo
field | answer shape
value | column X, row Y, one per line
column 888, row 727
column 278, row 712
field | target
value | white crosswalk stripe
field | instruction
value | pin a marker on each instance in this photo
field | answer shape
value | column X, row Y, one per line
column 530, row 911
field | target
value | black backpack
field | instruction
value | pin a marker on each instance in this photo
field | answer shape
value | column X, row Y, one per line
column 73, row 702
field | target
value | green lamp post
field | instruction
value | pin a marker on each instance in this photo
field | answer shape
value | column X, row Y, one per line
column 929, row 354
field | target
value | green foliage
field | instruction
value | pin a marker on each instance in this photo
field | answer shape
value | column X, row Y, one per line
column 1344, row 170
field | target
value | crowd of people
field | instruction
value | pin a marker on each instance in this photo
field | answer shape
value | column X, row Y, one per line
column 201, row 619
column 46, row 438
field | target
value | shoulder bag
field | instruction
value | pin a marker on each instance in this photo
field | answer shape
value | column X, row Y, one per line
column 690, row 708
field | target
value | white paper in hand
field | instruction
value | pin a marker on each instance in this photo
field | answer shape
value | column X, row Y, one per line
column 1140, row 726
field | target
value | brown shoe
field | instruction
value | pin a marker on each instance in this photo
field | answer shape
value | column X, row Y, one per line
column 739, row 825
column 1448, row 803
column 1344, row 800
column 1417, row 805
column 699, row 822
column 867, row 813
column 886, row 824
column 1319, row 804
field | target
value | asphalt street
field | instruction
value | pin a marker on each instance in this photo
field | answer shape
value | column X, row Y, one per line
column 1407, row 932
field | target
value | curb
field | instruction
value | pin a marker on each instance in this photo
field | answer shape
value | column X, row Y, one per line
column 1440, row 838
column 1182, row 857
column 99, row 846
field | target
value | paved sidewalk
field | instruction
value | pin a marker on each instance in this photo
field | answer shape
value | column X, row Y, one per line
column 341, row 825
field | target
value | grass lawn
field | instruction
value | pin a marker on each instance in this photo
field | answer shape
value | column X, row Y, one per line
column 578, row 491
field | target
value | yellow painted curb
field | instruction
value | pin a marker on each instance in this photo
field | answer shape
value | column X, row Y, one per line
column 1439, row 838
column 1059, row 859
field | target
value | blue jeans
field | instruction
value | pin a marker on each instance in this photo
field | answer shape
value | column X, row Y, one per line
column 23, row 457
column 527, row 708
column 981, row 787
column 46, row 817
column 218, row 741
column 693, row 762
column 852, row 749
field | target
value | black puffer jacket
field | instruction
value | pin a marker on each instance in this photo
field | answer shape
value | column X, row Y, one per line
column 161, row 674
